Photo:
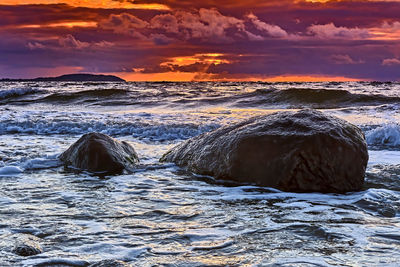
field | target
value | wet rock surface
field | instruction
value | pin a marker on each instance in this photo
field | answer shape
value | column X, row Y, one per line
column 27, row 246
column 97, row 152
column 304, row 151
column 110, row 263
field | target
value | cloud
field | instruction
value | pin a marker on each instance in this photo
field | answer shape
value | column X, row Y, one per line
column 386, row 31
column 35, row 45
column 344, row 59
column 330, row 31
column 390, row 62
column 205, row 25
column 104, row 4
column 166, row 22
column 257, row 38
column 124, row 23
column 160, row 39
column 69, row 41
column 271, row 30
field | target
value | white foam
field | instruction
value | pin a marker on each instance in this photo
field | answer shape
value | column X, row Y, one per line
column 387, row 135
column 161, row 128
column 383, row 157
column 41, row 163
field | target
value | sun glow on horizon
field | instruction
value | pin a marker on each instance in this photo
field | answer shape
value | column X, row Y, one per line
column 194, row 76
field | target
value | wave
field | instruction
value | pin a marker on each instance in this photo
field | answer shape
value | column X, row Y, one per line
column 139, row 130
column 94, row 93
column 10, row 170
column 383, row 136
column 17, row 92
column 387, row 135
column 188, row 97
column 328, row 98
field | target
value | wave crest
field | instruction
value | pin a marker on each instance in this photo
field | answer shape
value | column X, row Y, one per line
column 16, row 92
column 140, row 130
column 387, row 135
column 329, row 98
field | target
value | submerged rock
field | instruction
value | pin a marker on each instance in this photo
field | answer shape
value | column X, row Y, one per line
column 110, row 263
column 97, row 152
column 27, row 246
column 304, row 151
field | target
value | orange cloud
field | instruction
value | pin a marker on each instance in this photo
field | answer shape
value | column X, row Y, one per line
column 69, row 24
column 106, row 4
column 207, row 59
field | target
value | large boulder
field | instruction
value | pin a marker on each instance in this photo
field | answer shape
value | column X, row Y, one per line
column 100, row 153
column 304, row 151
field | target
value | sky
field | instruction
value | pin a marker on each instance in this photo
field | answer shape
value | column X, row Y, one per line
column 208, row 40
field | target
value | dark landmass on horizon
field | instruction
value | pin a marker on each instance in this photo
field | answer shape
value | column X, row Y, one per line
column 79, row 77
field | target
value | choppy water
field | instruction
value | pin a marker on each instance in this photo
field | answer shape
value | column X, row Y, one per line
column 163, row 216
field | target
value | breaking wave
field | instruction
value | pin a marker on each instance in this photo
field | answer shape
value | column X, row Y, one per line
column 17, row 92
column 141, row 130
column 265, row 97
column 329, row 98
column 69, row 96
column 387, row 135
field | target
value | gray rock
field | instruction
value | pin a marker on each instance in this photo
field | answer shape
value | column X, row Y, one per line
column 304, row 151
column 97, row 152
column 27, row 246
column 110, row 263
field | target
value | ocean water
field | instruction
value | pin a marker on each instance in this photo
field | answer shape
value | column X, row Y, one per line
column 164, row 216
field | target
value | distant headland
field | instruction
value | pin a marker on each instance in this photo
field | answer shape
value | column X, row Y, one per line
column 78, row 77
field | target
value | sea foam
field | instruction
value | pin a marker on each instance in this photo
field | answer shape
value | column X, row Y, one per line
column 387, row 135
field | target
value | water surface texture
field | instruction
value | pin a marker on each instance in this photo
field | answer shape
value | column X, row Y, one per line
column 164, row 216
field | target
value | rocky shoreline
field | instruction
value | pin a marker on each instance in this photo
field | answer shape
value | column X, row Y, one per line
column 304, row 151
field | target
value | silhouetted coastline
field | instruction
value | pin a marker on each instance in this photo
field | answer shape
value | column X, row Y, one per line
column 79, row 77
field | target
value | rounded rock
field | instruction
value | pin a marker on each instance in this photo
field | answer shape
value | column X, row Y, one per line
column 110, row 263
column 304, row 151
column 100, row 153
column 27, row 248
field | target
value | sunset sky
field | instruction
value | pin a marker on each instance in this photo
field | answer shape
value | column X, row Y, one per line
column 182, row 40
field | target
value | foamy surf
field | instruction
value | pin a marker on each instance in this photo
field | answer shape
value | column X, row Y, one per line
column 164, row 215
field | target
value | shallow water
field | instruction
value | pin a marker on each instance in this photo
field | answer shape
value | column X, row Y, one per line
column 162, row 215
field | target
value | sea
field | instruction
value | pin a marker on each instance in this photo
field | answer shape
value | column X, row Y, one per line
column 162, row 215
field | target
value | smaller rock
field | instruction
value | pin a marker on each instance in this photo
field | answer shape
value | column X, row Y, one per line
column 388, row 212
column 27, row 246
column 97, row 152
column 110, row 263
